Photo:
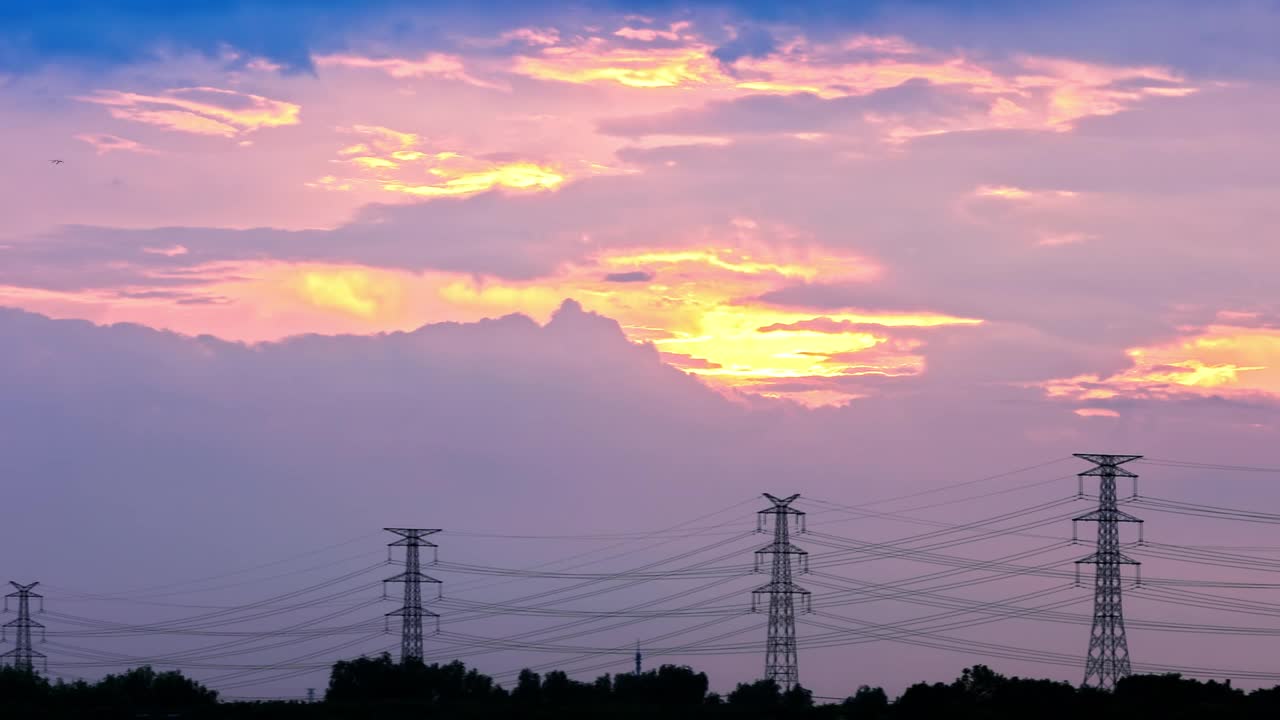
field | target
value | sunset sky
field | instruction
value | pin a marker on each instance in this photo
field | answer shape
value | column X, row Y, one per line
column 614, row 264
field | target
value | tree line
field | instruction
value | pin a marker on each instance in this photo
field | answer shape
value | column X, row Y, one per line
column 379, row 687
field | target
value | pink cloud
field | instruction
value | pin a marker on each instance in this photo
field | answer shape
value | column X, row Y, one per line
column 199, row 110
column 104, row 143
column 441, row 65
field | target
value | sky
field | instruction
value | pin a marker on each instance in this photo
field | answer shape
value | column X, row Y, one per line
column 310, row 269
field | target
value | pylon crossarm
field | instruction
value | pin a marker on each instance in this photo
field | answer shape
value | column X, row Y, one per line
column 1118, row 559
column 780, row 503
column 1106, row 516
column 1107, row 460
column 412, row 577
column 420, row 611
column 776, row 549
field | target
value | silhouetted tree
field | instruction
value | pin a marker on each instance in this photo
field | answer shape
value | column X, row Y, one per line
column 668, row 685
column 144, row 687
column 528, row 688
column 1175, row 696
column 379, row 687
column 22, row 687
column 797, row 697
column 381, row 678
column 867, row 703
column 760, row 694
column 925, row 701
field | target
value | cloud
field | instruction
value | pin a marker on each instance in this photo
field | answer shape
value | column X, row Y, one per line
column 512, row 40
column 754, row 42
column 597, row 60
column 104, row 143
column 688, row 361
column 441, row 65
column 199, row 110
column 1217, row 360
column 825, row 325
column 629, row 277
column 399, row 162
column 902, row 96
column 455, row 180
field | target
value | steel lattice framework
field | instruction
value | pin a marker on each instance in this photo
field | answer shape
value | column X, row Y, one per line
column 1108, row 658
column 780, row 648
column 412, row 611
column 23, row 655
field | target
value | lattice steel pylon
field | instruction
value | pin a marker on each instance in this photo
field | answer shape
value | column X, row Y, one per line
column 780, row 662
column 1108, row 658
column 412, row 612
column 23, row 655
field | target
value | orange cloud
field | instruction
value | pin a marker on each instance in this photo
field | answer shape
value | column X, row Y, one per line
column 691, row 308
column 692, row 305
column 199, row 110
column 1219, row 360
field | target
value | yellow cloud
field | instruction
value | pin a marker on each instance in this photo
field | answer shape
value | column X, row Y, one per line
column 394, row 161
column 518, row 176
column 356, row 291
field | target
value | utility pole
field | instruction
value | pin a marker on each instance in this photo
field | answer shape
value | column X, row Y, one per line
column 412, row 612
column 1108, row 658
column 23, row 656
column 780, row 662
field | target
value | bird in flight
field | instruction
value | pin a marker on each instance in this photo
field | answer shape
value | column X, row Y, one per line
column 56, row 162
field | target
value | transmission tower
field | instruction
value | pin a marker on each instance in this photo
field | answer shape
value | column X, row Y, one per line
column 412, row 612
column 780, row 662
column 1108, row 658
column 23, row 655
